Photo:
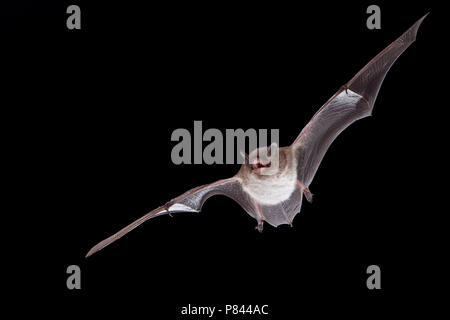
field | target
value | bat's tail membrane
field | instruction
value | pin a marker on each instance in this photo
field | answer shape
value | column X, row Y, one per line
column 368, row 80
column 285, row 212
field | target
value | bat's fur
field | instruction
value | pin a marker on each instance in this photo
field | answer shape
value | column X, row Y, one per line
column 271, row 189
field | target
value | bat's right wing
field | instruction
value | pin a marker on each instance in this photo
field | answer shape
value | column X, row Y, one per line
column 352, row 102
column 191, row 201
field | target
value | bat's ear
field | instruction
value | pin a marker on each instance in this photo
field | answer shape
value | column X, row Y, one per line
column 245, row 156
column 273, row 148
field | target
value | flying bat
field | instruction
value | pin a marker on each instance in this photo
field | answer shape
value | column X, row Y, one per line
column 272, row 191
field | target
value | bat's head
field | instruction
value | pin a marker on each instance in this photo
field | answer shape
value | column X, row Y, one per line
column 264, row 161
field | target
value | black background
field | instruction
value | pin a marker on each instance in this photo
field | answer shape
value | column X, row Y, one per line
column 102, row 103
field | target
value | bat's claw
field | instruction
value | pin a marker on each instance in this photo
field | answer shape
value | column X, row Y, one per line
column 166, row 207
column 260, row 226
column 345, row 88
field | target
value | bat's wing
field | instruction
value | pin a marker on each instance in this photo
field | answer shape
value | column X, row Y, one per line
column 352, row 102
column 191, row 201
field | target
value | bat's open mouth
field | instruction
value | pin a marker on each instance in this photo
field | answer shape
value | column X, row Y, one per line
column 260, row 165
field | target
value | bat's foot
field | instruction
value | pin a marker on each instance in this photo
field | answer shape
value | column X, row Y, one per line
column 260, row 226
column 308, row 195
column 305, row 190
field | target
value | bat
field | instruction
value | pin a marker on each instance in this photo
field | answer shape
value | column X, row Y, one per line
column 273, row 192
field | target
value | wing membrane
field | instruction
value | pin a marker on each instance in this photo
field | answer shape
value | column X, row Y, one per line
column 352, row 102
column 191, row 201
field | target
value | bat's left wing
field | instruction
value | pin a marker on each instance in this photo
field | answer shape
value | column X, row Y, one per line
column 190, row 201
column 353, row 102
